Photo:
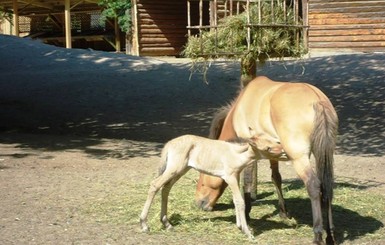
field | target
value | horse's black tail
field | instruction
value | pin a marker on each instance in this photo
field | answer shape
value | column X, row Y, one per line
column 323, row 146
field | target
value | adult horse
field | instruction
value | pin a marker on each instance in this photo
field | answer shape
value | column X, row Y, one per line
column 303, row 120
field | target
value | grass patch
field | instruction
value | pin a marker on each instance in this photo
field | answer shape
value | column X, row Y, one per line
column 358, row 214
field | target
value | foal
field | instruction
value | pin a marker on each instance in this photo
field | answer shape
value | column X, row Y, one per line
column 214, row 157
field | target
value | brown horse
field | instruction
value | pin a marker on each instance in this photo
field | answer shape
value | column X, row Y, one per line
column 303, row 120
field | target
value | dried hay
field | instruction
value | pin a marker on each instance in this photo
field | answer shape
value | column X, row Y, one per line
column 272, row 34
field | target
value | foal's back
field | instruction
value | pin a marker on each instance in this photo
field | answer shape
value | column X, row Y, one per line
column 205, row 154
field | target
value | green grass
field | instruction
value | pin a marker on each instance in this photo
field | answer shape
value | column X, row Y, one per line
column 358, row 214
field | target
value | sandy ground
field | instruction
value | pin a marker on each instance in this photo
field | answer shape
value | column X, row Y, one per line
column 77, row 124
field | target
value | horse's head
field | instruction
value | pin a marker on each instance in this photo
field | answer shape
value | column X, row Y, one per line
column 209, row 189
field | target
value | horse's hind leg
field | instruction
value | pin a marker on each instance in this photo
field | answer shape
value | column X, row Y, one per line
column 329, row 226
column 165, row 193
column 277, row 181
column 313, row 186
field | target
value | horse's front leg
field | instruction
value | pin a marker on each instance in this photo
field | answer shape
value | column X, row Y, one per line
column 239, row 204
column 250, row 182
column 313, row 186
column 277, row 181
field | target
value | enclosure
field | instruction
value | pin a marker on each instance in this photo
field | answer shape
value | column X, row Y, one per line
column 78, row 149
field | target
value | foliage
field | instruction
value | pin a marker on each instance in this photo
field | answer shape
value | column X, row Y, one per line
column 120, row 9
column 229, row 40
column 4, row 15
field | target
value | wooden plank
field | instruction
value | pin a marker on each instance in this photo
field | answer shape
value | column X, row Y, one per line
column 180, row 31
column 349, row 32
column 359, row 38
column 347, row 44
column 346, row 21
column 163, row 35
column 156, row 40
column 346, row 15
column 160, row 16
column 347, row 27
column 349, row 5
column 340, row 1
column 159, row 51
column 347, row 10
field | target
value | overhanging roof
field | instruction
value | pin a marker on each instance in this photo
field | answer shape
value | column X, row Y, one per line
column 31, row 7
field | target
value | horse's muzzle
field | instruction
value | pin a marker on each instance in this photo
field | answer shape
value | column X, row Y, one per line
column 204, row 204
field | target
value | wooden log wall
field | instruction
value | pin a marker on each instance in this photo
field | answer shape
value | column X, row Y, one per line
column 352, row 25
column 161, row 27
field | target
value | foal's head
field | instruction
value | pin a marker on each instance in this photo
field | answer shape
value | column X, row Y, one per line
column 261, row 144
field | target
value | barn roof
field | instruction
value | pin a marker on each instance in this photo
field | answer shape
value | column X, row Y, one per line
column 30, row 7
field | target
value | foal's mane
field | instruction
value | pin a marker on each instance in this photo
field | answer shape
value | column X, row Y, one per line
column 239, row 141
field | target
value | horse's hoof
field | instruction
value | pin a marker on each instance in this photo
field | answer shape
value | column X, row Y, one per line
column 318, row 242
column 284, row 215
column 330, row 240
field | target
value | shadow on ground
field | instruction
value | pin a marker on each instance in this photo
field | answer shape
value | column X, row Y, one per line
column 87, row 101
column 349, row 225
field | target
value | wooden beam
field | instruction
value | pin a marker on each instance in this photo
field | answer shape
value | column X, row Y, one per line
column 16, row 30
column 67, row 19
column 38, row 4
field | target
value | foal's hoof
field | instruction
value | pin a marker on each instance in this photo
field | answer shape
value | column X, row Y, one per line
column 145, row 229
column 169, row 227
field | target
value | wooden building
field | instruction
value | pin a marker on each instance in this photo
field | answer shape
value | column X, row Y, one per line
column 333, row 25
column 63, row 23
column 160, row 27
column 346, row 25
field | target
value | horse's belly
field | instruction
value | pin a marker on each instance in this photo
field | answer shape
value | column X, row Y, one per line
column 252, row 114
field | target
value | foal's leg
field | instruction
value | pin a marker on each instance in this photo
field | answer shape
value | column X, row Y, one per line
column 277, row 181
column 155, row 185
column 312, row 183
column 165, row 193
column 171, row 175
column 239, row 205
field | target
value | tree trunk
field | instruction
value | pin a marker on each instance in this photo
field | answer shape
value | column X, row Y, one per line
column 248, row 71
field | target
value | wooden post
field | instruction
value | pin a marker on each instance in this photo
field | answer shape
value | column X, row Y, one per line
column 15, row 16
column 117, row 36
column 248, row 71
column 188, row 18
column 135, row 28
column 305, row 22
column 67, row 19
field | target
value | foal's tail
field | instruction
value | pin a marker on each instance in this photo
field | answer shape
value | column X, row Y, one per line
column 163, row 160
column 323, row 145
column 218, row 121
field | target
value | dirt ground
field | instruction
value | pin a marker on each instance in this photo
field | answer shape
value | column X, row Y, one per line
column 74, row 130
